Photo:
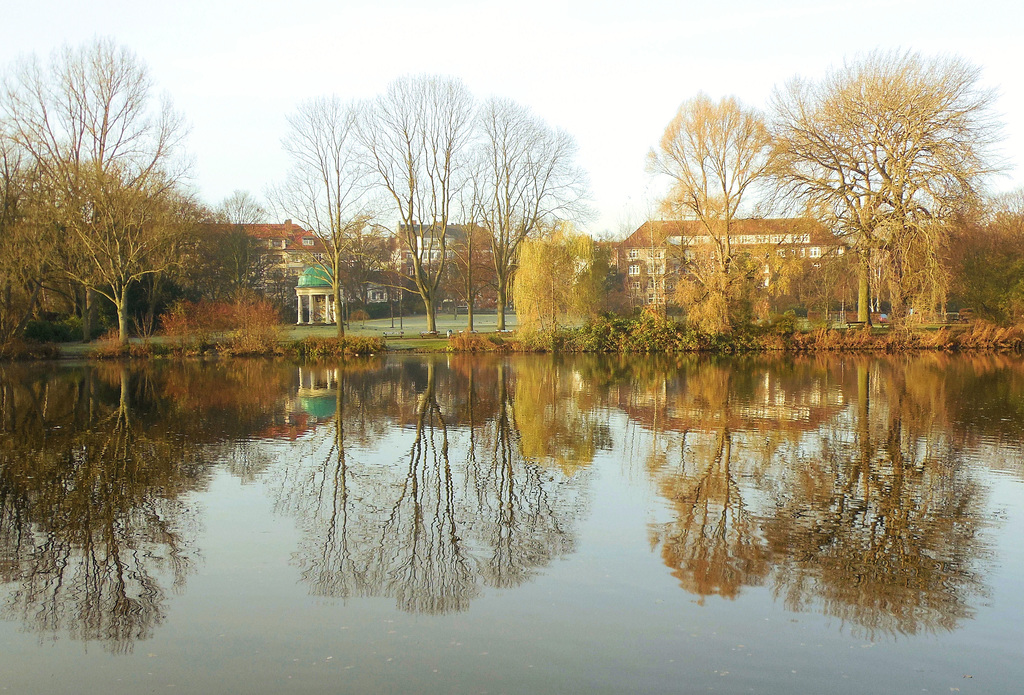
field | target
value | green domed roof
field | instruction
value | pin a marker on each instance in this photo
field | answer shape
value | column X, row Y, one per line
column 315, row 277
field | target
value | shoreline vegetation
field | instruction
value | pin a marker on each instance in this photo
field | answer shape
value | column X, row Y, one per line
column 646, row 333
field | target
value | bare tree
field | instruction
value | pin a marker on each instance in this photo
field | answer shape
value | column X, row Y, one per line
column 367, row 261
column 240, row 208
column 886, row 150
column 106, row 153
column 326, row 184
column 230, row 259
column 416, row 136
column 716, row 153
column 473, row 267
column 527, row 176
column 23, row 266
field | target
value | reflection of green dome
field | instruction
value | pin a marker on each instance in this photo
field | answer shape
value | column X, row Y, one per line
column 320, row 407
column 315, row 277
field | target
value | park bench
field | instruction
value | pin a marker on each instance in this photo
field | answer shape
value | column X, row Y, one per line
column 394, row 334
column 428, row 334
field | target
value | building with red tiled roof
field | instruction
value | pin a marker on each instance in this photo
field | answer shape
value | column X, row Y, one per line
column 653, row 257
column 291, row 248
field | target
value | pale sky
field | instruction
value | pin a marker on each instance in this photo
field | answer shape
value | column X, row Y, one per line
column 611, row 73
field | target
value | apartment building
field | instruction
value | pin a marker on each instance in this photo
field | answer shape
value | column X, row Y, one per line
column 657, row 254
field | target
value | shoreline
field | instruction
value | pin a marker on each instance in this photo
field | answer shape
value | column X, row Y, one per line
column 629, row 337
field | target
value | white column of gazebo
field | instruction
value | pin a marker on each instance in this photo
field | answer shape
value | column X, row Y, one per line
column 319, row 301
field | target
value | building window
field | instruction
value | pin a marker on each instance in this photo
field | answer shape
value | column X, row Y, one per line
column 636, row 286
column 634, row 253
column 634, row 269
column 815, row 252
column 307, row 241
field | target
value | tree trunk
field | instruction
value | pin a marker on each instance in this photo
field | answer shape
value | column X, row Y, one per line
column 154, row 292
column 122, row 315
column 428, row 303
column 339, row 320
column 87, row 312
column 501, row 304
column 469, row 286
column 20, row 328
column 863, row 290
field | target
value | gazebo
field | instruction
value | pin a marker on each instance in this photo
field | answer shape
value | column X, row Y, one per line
column 316, row 287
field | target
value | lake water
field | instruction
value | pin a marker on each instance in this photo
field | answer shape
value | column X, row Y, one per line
column 461, row 524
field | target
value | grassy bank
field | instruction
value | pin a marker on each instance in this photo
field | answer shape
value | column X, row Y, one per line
column 650, row 333
column 644, row 334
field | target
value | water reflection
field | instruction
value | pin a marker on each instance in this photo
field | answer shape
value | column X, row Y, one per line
column 853, row 495
column 848, row 486
column 442, row 505
column 96, row 465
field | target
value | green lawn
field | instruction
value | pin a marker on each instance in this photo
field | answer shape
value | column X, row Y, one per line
column 412, row 326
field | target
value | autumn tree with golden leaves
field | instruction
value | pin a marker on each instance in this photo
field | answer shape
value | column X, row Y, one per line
column 886, row 151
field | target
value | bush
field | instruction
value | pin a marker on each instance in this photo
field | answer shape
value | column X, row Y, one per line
column 109, row 346
column 191, row 326
column 603, row 334
column 66, row 331
column 257, row 328
column 782, row 324
column 471, row 342
column 652, row 332
column 313, row 348
column 247, row 326
column 19, row 350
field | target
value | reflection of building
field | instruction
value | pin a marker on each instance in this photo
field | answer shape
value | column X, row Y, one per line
column 318, row 391
column 684, row 402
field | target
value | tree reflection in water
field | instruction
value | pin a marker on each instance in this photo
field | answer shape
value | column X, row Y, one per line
column 96, row 465
column 460, row 508
column 882, row 524
column 850, row 494
column 847, row 485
